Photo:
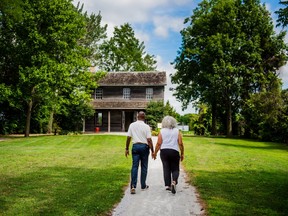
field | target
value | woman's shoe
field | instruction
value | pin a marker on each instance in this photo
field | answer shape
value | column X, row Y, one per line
column 168, row 188
column 173, row 187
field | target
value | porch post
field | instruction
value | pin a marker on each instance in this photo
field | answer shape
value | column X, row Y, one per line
column 109, row 121
column 123, row 121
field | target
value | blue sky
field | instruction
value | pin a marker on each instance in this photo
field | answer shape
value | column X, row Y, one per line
column 158, row 23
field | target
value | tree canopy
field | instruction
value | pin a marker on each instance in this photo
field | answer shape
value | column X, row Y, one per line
column 124, row 52
column 229, row 50
column 43, row 60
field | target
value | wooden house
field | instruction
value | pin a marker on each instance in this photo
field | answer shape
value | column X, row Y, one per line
column 120, row 96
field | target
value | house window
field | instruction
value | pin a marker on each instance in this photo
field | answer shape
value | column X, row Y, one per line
column 149, row 93
column 99, row 119
column 98, row 93
column 126, row 93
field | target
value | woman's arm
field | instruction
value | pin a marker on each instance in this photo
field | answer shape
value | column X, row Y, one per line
column 181, row 146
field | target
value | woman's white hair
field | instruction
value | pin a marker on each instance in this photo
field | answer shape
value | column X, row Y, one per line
column 169, row 122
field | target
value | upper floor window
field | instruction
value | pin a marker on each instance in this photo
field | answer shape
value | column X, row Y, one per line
column 149, row 93
column 98, row 93
column 126, row 93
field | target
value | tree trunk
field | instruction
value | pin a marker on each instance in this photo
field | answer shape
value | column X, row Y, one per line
column 214, row 119
column 229, row 117
column 50, row 123
column 28, row 118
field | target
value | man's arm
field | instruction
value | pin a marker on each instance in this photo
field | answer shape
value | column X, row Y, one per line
column 158, row 145
column 150, row 144
column 128, row 140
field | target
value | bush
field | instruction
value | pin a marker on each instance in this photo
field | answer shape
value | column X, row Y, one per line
column 155, row 133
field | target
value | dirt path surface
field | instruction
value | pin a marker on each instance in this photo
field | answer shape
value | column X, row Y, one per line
column 156, row 200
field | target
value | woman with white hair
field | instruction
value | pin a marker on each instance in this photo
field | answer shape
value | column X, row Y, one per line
column 170, row 143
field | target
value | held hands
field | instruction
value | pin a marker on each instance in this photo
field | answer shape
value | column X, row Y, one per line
column 154, row 156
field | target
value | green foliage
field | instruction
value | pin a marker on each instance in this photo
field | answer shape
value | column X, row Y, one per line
column 201, row 123
column 155, row 132
column 282, row 14
column 155, row 112
column 268, row 115
column 11, row 9
column 93, row 37
column 52, row 46
column 229, row 50
column 124, row 52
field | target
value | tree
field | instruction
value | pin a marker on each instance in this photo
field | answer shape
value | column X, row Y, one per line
column 124, row 52
column 95, row 34
column 269, row 114
column 45, row 64
column 282, row 14
column 156, row 110
column 11, row 9
column 228, row 51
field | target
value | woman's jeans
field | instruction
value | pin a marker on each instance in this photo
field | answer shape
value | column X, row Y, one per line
column 170, row 160
column 140, row 154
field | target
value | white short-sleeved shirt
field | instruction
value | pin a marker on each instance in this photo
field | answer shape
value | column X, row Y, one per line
column 170, row 138
column 139, row 131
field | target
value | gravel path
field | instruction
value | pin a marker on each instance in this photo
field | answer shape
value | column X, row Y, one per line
column 156, row 200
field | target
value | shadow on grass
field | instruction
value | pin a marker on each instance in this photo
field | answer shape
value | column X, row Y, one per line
column 244, row 193
column 269, row 146
column 63, row 191
column 246, row 143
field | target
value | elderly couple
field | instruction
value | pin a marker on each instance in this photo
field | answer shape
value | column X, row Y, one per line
column 169, row 142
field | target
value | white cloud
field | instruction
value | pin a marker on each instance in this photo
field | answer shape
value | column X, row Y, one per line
column 142, row 36
column 283, row 74
column 119, row 12
column 163, row 24
column 115, row 13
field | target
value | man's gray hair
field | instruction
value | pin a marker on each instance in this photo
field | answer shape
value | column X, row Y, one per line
column 169, row 122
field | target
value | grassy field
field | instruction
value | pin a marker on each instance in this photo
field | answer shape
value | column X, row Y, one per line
column 85, row 175
column 239, row 177
column 62, row 175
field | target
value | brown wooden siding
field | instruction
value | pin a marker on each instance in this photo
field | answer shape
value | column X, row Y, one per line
column 113, row 98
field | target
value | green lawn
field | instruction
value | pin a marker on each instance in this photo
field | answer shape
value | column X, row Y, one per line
column 85, row 175
column 239, row 177
column 62, row 175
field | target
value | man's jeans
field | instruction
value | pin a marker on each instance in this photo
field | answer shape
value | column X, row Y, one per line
column 140, row 154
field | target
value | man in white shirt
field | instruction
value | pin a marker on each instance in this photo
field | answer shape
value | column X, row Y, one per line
column 142, row 142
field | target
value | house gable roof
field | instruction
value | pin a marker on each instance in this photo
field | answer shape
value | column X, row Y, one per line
column 150, row 78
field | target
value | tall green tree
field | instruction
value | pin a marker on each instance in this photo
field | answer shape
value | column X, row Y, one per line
column 94, row 36
column 48, row 64
column 124, row 52
column 229, row 50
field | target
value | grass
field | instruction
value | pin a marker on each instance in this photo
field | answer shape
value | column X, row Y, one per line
column 238, row 177
column 85, row 175
column 62, row 175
